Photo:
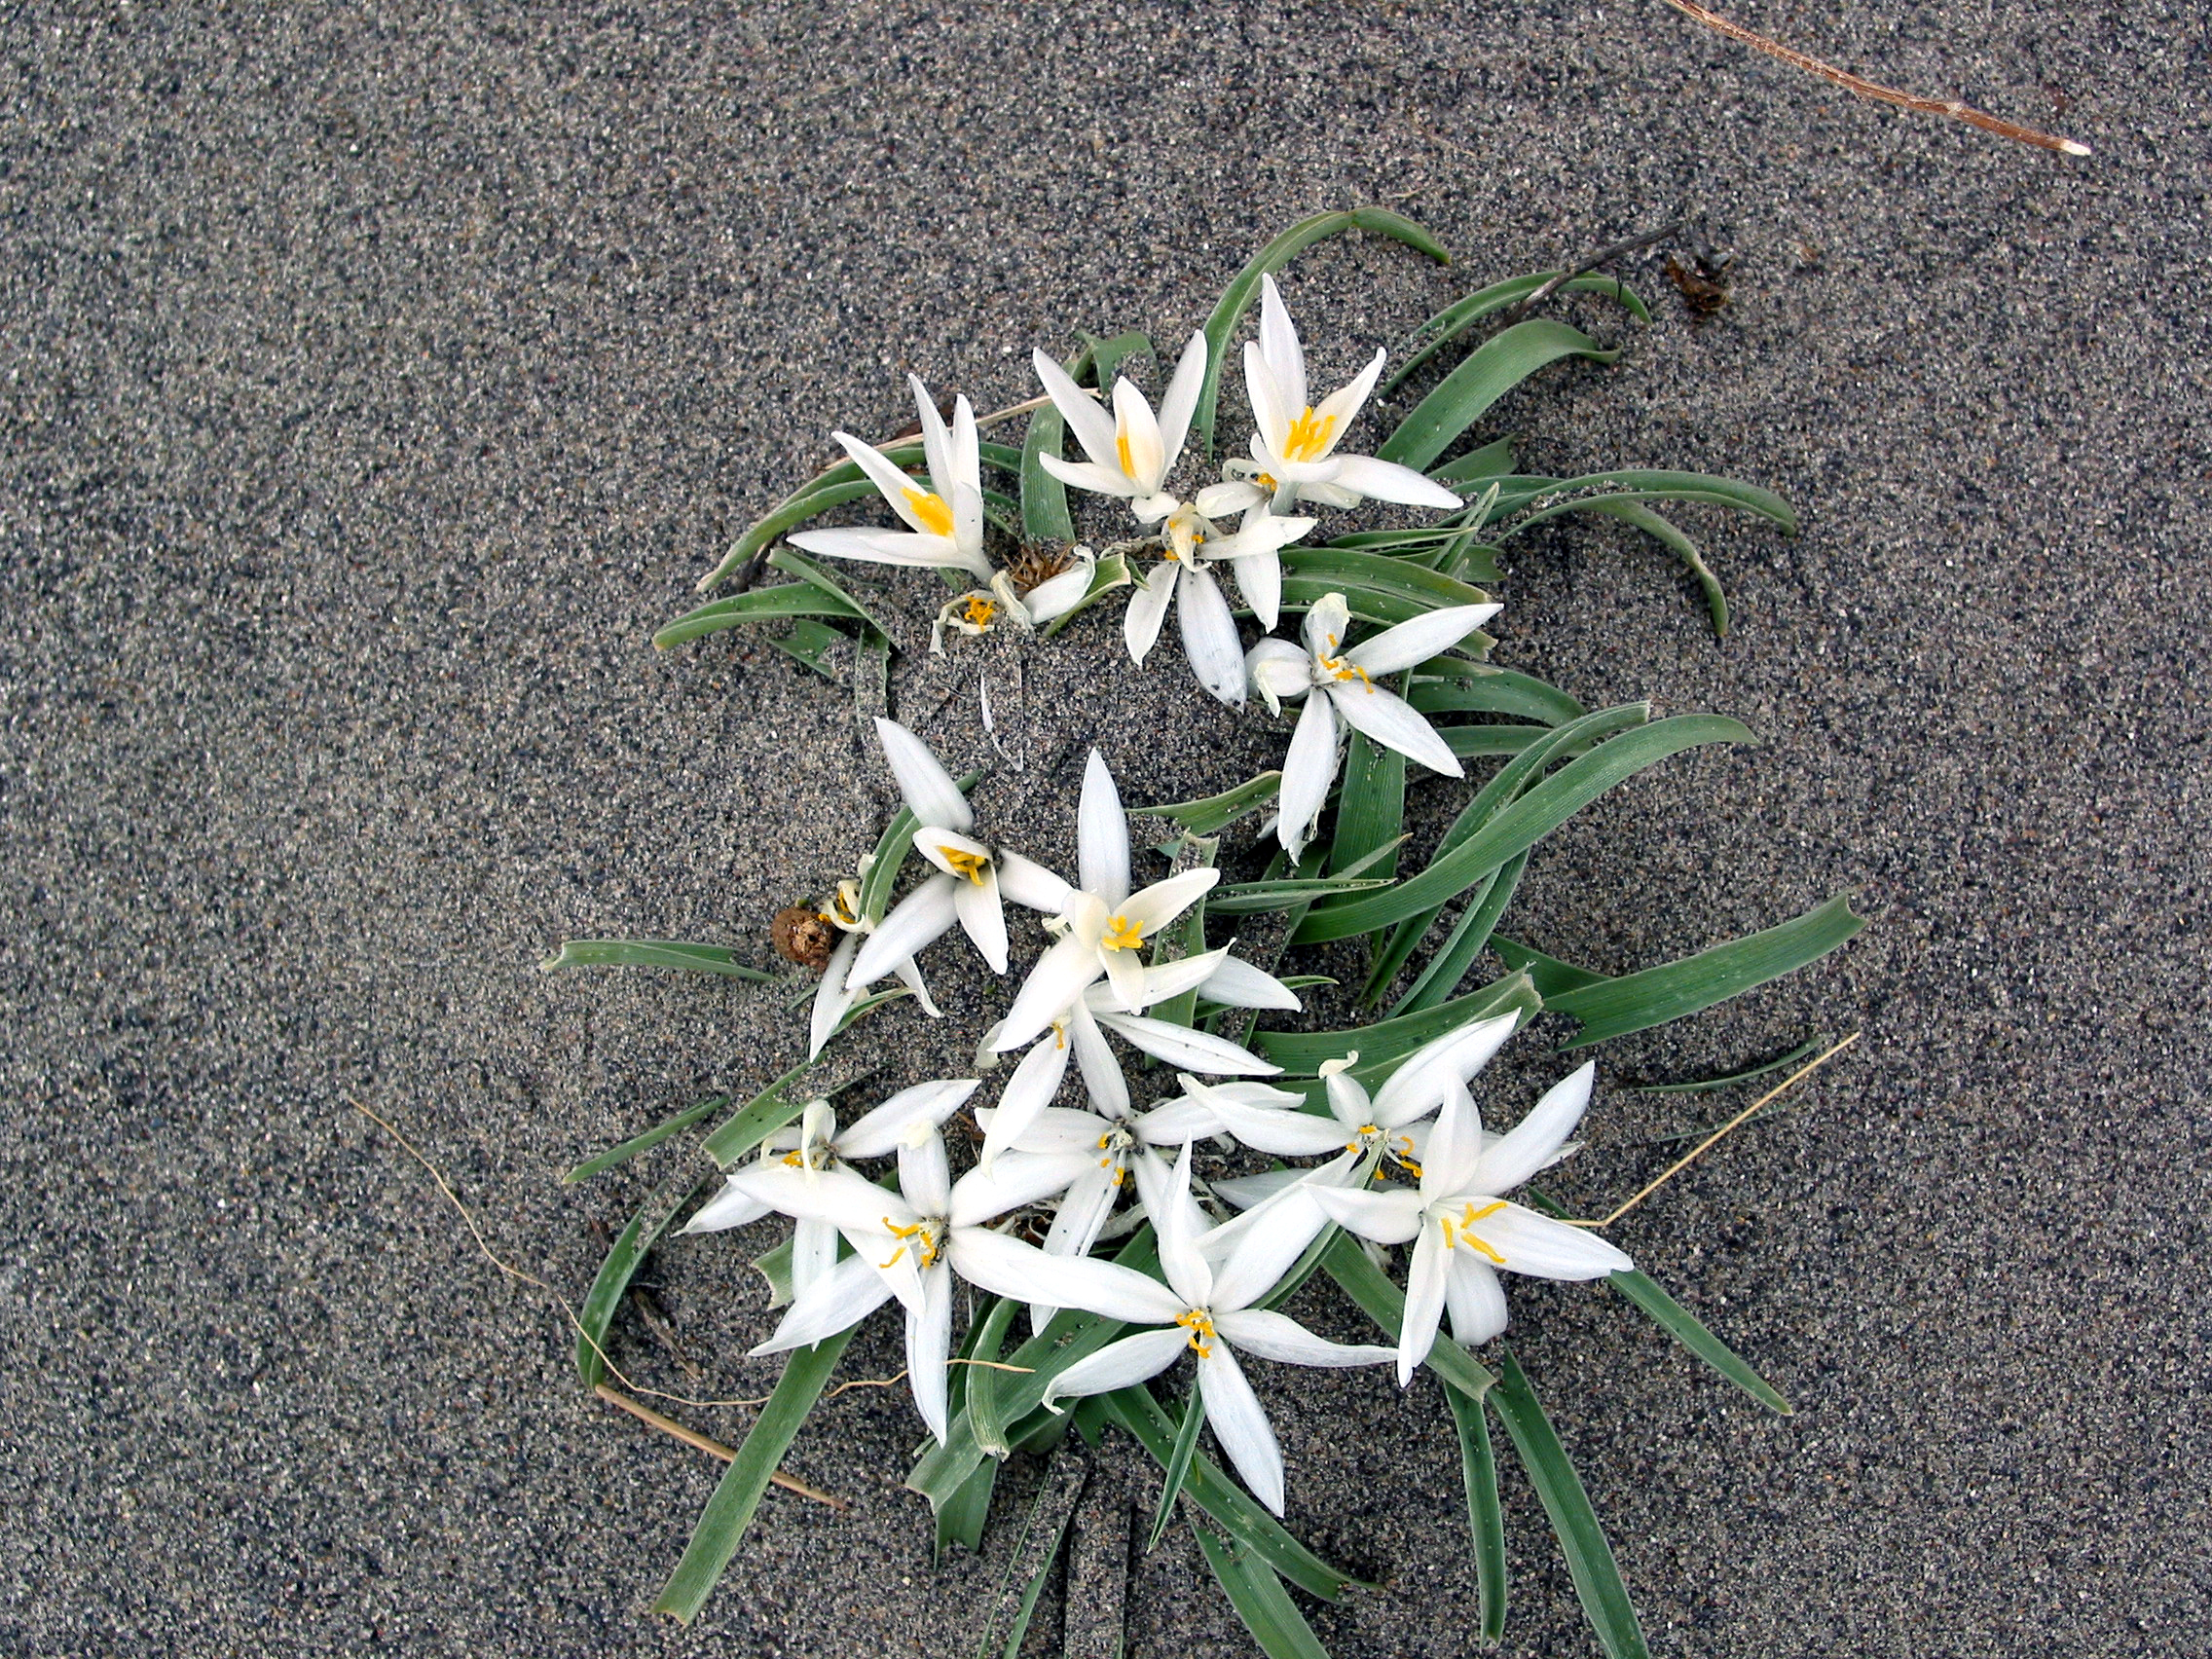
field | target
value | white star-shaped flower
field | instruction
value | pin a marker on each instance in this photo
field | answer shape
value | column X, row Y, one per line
column 945, row 521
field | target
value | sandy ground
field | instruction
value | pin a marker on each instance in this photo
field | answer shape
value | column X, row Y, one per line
column 375, row 382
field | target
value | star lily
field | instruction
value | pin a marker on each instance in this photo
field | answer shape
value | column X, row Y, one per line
column 909, row 1243
column 1281, row 672
column 818, row 1146
column 1104, row 926
column 1206, row 1307
column 1209, row 629
column 1464, row 1231
column 973, row 878
column 1295, row 450
column 1133, row 451
column 945, row 522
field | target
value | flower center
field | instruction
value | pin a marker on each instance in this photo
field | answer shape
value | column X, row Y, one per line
column 1342, row 669
column 1117, row 1143
column 925, row 1234
column 1308, row 437
column 816, row 1155
column 980, row 610
column 969, row 865
column 1200, row 1324
column 1467, row 1219
column 1399, row 1149
column 1121, row 934
column 932, row 510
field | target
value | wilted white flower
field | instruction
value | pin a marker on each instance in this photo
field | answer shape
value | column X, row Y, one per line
column 1282, row 671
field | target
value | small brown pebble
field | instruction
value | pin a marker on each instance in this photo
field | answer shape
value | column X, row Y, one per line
column 803, row 937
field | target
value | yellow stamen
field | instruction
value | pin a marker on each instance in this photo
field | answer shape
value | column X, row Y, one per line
column 933, row 510
column 1267, row 482
column 1309, row 436
column 1467, row 1219
column 1201, row 1326
column 902, row 1250
column 1059, row 1034
column 1122, row 449
column 1344, row 670
column 980, row 610
column 969, row 865
column 795, row 1159
column 925, row 1245
column 1121, row 934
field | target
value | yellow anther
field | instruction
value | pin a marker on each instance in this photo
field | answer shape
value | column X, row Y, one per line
column 1059, row 1034
column 1467, row 1219
column 1267, row 482
column 895, row 1255
column 980, row 610
column 1201, row 1326
column 969, row 865
column 1344, row 670
column 795, row 1159
column 925, row 1246
column 933, row 512
column 1121, row 934
column 1309, row 436
column 1122, row 449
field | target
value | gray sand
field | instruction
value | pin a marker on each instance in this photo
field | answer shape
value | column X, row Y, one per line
column 375, row 385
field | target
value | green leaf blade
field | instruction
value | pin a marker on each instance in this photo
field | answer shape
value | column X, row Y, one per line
column 1492, row 370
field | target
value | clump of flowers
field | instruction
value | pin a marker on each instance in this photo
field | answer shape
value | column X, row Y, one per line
column 1093, row 1217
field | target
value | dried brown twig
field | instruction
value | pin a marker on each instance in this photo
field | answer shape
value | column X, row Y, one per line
column 1866, row 88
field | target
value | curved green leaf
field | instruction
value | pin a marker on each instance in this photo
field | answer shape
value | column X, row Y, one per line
column 716, row 959
column 1444, row 685
column 1522, row 825
column 1214, row 813
column 791, row 562
column 760, row 605
column 986, row 1411
column 1177, row 1469
column 1259, row 1597
column 809, row 502
column 1466, row 942
column 1633, row 1002
column 1589, row 1557
column 1237, row 296
column 1300, row 1054
column 1044, row 515
column 890, row 855
column 723, row 1520
column 1349, row 570
column 1492, row 370
column 645, row 1142
column 1687, row 1329
column 1644, row 484
column 1454, row 320
column 1485, row 1517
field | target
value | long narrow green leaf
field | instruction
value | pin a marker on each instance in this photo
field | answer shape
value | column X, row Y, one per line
column 1691, row 1332
column 760, row 605
column 1635, row 1002
column 810, row 642
column 792, row 563
column 1706, row 1085
column 716, row 959
column 1454, row 320
column 1186, row 938
column 621, row 1263
column 1589, row 1557
column 1349, row 570
column 1371, row 813
column 1259, row 1597
column 1176, row 1470
column 1551, row 977
column 1300, row 1054
column 1492, row 370
column 1485, row 1517
column 1215, row 813
column 1451, row 685
column 1108, row 355
column 1237, row 296
column 1477, row 742
column 1650, row 484
column 1391, row 954
column 775, row 1266
column 714, row 1539
column 960, row 1522
column 1226, row 1502
column 1522, row 825
column 1253, row 897
column 807, row 503
column 1492, row 460
column 986, row 1411
column 771, row 1109
column 1386, row 1303
column 1466, row 941
column 645, row 1142
column 1670, row 535
column 1037, row 1548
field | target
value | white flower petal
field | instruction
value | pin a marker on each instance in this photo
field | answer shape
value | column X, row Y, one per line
column 1245, row 1191
column 1029, row 884
column 1395, row 650
column 1137, row 435
column 888, row 547
column 1088, row 475
column 1278, row 344
column 1259, row 579
column 1173, row 979
column 1006, row 1267
column 910, row 976
column 1335, row 414
column 1160, row 1195
column 967, row 453
column 1153, row 908
column 1092, row 426
column 1270, row 1239
column 1194, row 1050
column 1272, row 409
column 892, row 481
column 928, row 1346
column 1233, row 496
column 1544, row 1249
column 924, row 783
column 1235, row 984
column 1056, row 596
column 925, row 1179
column 1417, row 1087
column 1028, row 1092
column 1308, row 772
column 814, row 1252
column 1273, row 1336
column 1328, row 621
column 977, row 903
column 1209, row 637
column 732, row 1206
column 1058, row 980
column 1179, row 1225
column 1395, row 723
column 841, row 1298
column 1233, row 1411
column 1388, row 481
column 1083, row 1213
column 1102, row 835
column 921, row 918
column 1147, row 609
column 1534, row 1142
column 1476, row 1299
column 1119, row 1365
column 878, row 1133
column 832, row 997
column 936, row 442
column 1286, row 1134
column 1389, row 1216
column 1056, row 1130
column 841, row 1196
column 1181, row 399
column 1424, row 1301
column 1102, row 1078
column 1455, row 1144
column 1279, row 671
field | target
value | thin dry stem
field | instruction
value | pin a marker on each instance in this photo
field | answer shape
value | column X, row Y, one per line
column 692, row 1437
column 1714, row 1139
column 1874, row 89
